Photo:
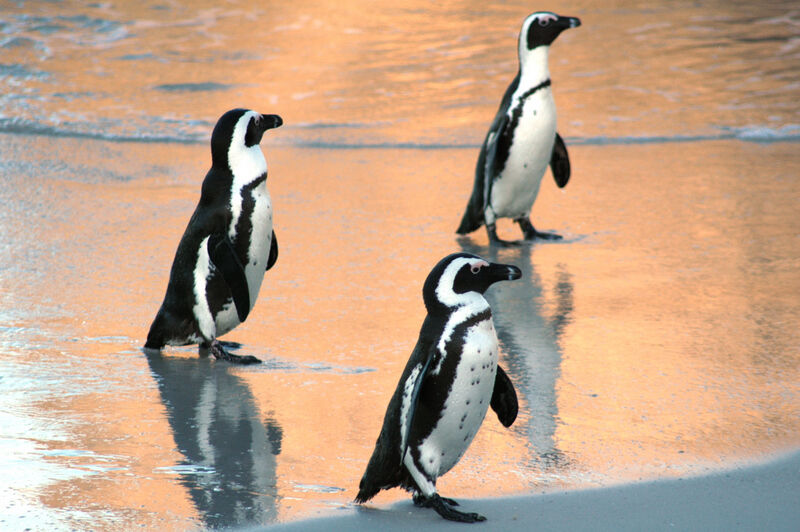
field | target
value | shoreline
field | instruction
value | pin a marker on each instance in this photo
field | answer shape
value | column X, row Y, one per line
column 761, row 496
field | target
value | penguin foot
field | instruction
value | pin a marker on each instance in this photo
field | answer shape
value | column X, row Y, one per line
column 451, row 502
column 216, row 348
column 531, row 233
column 506, row 243
column 544, row 236
column 444, row 508
column 491, row 230
column 421, row 501
column 227, row 344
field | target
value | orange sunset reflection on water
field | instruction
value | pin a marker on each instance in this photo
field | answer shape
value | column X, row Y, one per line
column 658, row 339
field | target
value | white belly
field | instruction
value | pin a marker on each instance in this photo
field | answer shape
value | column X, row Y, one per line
column 515, row 191
column 260, row 242
column 466, row 405
column 258, row 254
column 201, row 310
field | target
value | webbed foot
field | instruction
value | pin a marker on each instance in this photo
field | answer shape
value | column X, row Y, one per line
column 218, row 350
column 531, row 233
column 421, row 501
column 491, row 230
column 444, row 507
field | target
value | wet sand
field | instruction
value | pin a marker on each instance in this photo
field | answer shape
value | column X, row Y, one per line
column 657, row 341
column 761, row 497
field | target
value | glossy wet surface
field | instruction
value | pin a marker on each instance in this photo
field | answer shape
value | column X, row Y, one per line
column 659, row 338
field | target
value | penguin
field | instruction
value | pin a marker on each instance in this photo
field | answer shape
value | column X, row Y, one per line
column 446, row 388
column 228, row 244
column 522, row 140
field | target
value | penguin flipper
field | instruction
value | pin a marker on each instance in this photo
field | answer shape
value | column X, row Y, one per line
column 490, row 163
column 497, row 148
column 559, row 162
column 504, row 398
column 273, row 252
column 427, row 350
column 486, row 168
column 222, row 254
column 499, row 139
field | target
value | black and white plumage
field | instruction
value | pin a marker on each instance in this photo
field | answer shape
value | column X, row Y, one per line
column 446, row 388
column 522, row 140
column 228, row 245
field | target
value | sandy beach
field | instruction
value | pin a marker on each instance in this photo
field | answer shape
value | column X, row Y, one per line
column 756, row 497
column 654, row 350
column 607, row 399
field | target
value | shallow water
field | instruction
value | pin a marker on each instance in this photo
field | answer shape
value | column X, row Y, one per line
column 659, row 338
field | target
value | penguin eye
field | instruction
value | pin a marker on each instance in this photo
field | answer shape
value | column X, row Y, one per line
column 544, row 22
column 475, row 268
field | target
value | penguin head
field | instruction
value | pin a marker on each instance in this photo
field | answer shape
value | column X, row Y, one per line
column 237, row 132
column 461, row 278
column 542, row 28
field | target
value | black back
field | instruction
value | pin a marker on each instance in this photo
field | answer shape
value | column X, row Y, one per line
column 473, row 216
column 385, row 469
column 175, row 320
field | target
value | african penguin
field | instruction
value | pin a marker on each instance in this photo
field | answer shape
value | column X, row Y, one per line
column 228, row 245
column 446, row 388
column 522, row 140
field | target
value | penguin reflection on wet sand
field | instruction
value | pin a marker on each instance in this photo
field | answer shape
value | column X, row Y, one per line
column 228, row 245
column 229, row 447
column 446, row 388
column 522, row 140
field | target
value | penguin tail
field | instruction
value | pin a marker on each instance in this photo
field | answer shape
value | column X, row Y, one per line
column 383, row 472
column 156, row 337
column 365, row 493
column 473, row 215
column 371, row 483
column 469, row 222
column 153, row 344
column 154, row 341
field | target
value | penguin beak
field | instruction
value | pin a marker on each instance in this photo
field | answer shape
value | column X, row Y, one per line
column 503, row 272
column 569, row 22
column 269, row 122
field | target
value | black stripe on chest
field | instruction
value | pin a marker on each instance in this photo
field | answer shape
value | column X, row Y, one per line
column 437, row 388
column 540, row 86
column 217, row 293
column 244, row 226
column 506, row 138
